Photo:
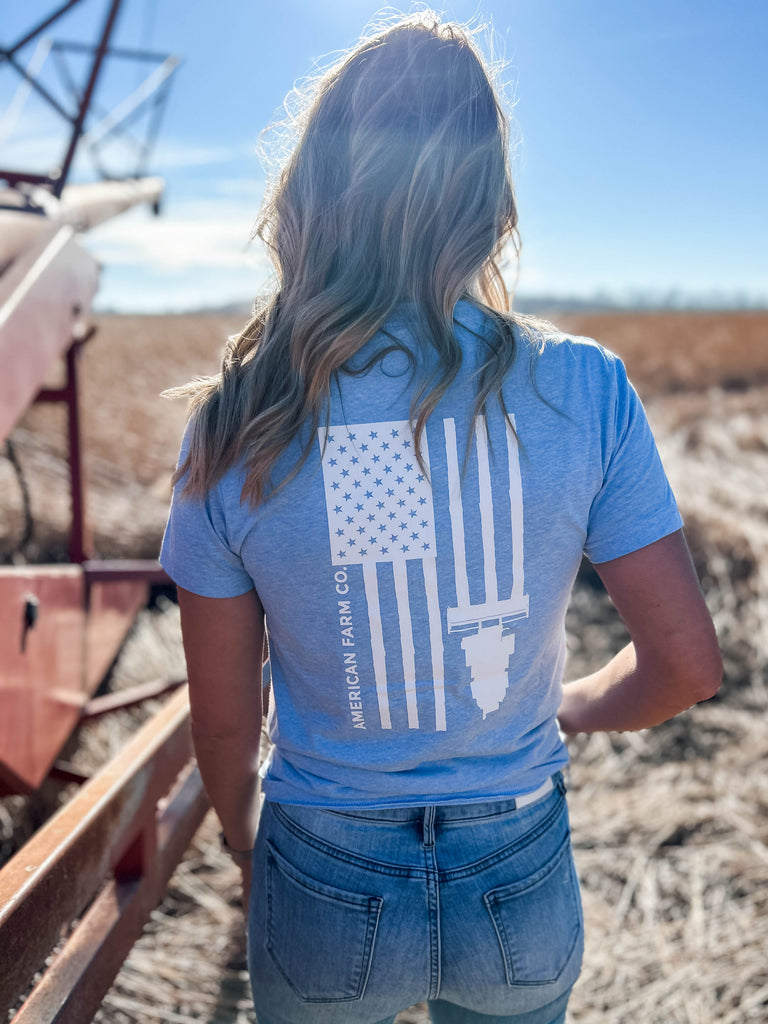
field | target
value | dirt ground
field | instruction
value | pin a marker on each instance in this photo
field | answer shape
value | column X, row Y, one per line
column 670, row 826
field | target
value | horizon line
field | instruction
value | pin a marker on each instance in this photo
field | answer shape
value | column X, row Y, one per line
column 599, row 302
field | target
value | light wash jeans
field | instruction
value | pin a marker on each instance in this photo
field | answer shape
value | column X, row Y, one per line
column 356, row 915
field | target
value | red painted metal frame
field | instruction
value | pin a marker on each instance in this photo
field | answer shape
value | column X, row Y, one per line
column 39, row 28
column 103, row 862
column 80, row 544
column 44, row 296
column 77, row 121
column 82, row 96
column 50, row 669
column 110, row 609
column 85, row 102
column 42, row 679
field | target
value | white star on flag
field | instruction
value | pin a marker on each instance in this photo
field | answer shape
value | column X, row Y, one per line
column 379, row 501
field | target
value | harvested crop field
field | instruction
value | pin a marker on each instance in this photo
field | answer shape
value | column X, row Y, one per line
column 670, row 826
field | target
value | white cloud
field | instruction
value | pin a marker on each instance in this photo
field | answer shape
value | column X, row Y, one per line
column 140, row 290
column 35, row 153
column 208, row 233
column 240, row 188
column 38, row 140
column 172, row 155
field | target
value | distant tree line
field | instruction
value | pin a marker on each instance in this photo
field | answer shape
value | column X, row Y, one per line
column 597, row 302
column 673, row 299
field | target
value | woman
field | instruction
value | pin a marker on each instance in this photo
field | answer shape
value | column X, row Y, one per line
column 402, row 477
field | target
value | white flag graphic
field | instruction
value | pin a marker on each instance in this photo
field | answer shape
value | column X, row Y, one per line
column 380, row 510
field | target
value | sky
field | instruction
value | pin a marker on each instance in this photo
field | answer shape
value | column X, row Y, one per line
column 640, row 149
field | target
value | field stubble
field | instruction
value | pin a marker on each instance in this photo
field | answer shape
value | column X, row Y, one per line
column 670, row 826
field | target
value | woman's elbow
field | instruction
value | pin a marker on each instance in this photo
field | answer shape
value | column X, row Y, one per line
column 699, row 677
column 683, row 675
column 712, row 676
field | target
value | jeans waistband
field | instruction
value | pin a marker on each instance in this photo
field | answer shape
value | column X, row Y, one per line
column 455, row 812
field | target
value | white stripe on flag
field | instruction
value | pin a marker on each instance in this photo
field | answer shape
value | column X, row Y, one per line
column 457, row 515
column 406, row 641
column 377, row 642
column 486, row 511
column 516, row 504
column 435, row 641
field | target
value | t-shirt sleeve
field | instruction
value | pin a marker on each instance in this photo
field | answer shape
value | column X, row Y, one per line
column 635, row 505
column 195, row 551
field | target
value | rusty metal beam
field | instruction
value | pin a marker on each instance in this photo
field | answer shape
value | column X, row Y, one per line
column 124, row 52
column 15, row 177
column 79, row 542
column 130, row 695
column 73, row 987
column 63, row 771
column 49, row 98
column 79, row 120
column 110, row 825
column 40, row 27
column 124, row 569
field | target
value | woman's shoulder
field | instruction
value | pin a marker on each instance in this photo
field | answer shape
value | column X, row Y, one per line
column 539, row 341
column 546, row 344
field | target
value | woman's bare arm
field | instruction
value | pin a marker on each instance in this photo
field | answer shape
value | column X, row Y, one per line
column 223, row 643
column 673, row 660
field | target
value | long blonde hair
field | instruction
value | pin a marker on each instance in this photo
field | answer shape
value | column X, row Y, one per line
column 398, row 190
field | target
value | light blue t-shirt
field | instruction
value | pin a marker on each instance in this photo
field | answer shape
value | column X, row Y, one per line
column 416, row 620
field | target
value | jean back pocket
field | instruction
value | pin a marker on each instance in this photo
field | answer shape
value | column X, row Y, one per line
column 538, row 921
column 319, row 937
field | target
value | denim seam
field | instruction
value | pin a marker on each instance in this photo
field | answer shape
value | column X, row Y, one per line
column 506, row 851
column 362, row 816
column 342, row 855
column 433, row 912
column 501, row 931
column 428, row 839
column 373, row 916
column 321, row 889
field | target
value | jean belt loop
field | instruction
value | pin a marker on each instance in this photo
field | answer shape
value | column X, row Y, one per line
column 428, row 825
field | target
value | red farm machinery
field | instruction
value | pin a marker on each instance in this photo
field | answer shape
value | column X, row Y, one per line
column 74, row 897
